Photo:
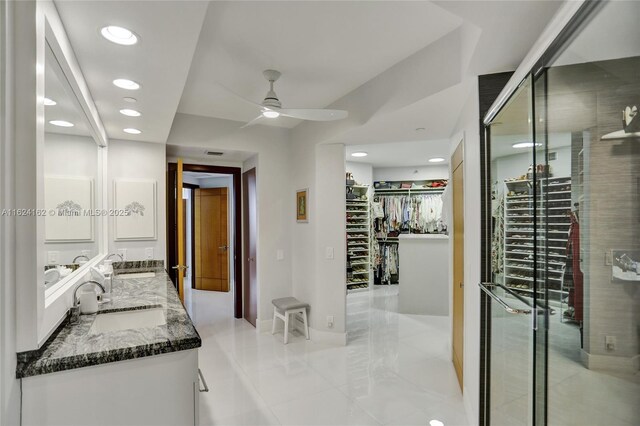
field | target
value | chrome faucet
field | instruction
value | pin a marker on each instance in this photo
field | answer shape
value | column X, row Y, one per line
column 74, row 312
column 115, row 254
column 79, row 257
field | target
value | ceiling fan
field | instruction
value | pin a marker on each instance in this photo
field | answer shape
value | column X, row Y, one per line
column 271, row 106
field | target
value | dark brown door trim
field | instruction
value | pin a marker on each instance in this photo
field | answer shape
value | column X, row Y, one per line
column 172, row 248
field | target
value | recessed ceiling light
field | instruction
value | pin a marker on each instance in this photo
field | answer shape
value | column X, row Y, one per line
column 436, row 423
column 130, row 100
column 123, row 83
column 130, row 112
column 132, row 131
column 61, row 123
column 49, row 102
column 525, row 145
column 270, row 114
column 359, row 154
column 420, row 129
column 119, row 35
column 436, row 160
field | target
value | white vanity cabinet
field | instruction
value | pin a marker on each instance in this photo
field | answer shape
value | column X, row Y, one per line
column 154, row 390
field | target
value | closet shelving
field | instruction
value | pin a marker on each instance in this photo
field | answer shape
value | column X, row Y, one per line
column 552, row 233
column 358, row 236
column 387, row 238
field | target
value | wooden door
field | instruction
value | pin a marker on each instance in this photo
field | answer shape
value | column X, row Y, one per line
column 249, row 229
column 458, row 261
column 212, row 239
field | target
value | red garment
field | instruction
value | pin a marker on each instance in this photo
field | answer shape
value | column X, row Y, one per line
column 573, row 247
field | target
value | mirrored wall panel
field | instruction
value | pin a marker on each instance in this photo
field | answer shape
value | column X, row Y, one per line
column 70, row 173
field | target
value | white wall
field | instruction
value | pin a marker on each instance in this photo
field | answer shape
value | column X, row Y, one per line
column 139, row 160
column 9, row 386
column 468, row 127
column 276, row 206
column 410, row 173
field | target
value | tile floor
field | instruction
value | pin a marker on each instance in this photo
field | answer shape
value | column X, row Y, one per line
column 395, row 369
column 576, row 395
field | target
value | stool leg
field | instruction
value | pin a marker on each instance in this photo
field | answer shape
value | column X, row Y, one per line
column 273, row 326
column 306, row 324
column 286, row 327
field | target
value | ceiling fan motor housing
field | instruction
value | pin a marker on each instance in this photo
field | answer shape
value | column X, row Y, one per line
column 271, row 99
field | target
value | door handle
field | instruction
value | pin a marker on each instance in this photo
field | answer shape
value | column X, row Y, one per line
column 251, row 259
column 224, row 247
column 485, row 288
column 180, row 267
column 205, row 388
column 461, row 285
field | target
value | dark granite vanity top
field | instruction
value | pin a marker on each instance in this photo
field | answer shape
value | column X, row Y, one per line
column 73, row 346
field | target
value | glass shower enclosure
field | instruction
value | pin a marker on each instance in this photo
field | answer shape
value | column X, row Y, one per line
column 562, row 280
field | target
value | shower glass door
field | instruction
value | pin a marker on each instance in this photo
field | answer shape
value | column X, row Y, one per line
column 563, row 159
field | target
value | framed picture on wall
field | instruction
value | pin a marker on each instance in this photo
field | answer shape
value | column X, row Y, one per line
column 302, row 205
column 134, row 202
column 68, row 202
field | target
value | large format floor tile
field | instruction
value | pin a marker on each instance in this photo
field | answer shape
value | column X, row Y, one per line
column 395, row 369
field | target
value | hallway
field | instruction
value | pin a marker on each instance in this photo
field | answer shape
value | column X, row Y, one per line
column 395, row 370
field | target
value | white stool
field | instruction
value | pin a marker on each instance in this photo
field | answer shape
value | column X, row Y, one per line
column 288, row 306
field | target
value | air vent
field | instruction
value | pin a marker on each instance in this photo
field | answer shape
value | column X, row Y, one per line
column 553, row 156
column 215, row 153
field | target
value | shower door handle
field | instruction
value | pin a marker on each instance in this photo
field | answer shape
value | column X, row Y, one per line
column 486, row 287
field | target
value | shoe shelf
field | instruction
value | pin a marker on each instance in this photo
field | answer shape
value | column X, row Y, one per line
column 358, row 236
column 541, row 243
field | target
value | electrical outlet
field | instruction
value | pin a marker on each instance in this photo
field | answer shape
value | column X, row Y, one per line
column 148, row 253
column 279, row 254
column 610, row 343
column 52, row 257
column 123, row 253
column 330, row 321
column 328, row 253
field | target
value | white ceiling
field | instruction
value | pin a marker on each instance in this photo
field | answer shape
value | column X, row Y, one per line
column 329, row 53
column 185, row 152
column 160, row 62
column 323, row 49
column 401, row 154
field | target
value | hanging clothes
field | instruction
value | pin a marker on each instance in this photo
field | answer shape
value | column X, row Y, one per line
column 497, row 245
column 576, row 294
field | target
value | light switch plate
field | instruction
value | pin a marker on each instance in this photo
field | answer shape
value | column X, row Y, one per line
column 52, row 257
column 148, row 253
column 280, row 254
column 329, row 253
column 123, row 253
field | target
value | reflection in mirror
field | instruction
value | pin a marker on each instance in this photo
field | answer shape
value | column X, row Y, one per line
column 593, row 92
column 70, row 164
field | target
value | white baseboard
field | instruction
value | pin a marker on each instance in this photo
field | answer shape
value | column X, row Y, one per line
column 610, row 362
column 327, row 337
column 264, row 325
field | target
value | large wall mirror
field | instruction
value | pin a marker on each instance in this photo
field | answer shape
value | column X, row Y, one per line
column 70, row 173
column 70, row 160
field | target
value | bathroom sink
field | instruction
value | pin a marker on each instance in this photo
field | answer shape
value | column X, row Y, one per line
column 126, row 320
column 137, row 275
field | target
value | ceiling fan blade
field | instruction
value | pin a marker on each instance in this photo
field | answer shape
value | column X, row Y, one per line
column 315, row 114
column 252, row 122
column 237, row 95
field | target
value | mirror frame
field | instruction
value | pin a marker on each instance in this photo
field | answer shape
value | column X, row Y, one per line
column 40, row 312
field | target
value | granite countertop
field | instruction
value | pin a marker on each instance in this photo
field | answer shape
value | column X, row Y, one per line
column 73, row 346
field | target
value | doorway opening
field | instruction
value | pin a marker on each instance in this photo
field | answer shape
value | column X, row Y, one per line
column 398, row 257
column 211, row 226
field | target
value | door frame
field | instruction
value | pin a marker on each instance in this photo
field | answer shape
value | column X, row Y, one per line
column 192, row 200
column 247, row 234
column 456, row 162
column 172, row 248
